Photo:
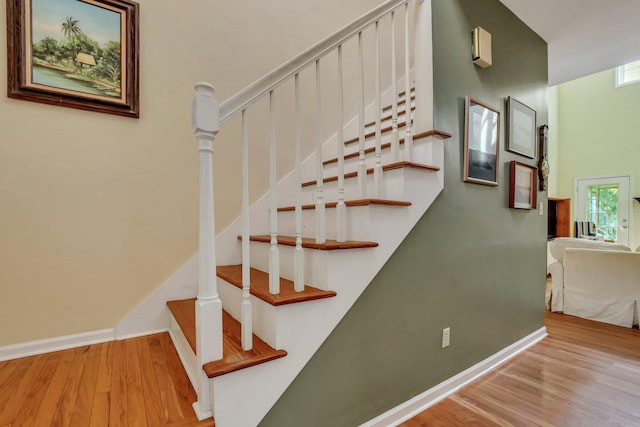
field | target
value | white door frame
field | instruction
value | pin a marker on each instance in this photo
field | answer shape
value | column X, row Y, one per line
column 628, row 176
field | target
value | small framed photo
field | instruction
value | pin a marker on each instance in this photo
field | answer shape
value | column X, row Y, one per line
column 77, row 54
column 523, row 186
column 481, row 142
column 521, row 128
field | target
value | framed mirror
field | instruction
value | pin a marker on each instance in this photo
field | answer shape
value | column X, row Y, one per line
column 481, row 142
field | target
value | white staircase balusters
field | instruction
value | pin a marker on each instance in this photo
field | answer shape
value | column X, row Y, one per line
column 245, row 313
column 362, row 166
column 422, row 66
column 205, row 126
column 320, row 207
column 298, row 280
column 395, row 148
column 377, row 169
column 208, row 116
column 341, row 208
column 274, row 254
column 408, row 139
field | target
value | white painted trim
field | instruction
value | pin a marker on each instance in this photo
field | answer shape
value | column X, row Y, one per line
column 141, row 334
column 48, row 345
column 414, row 406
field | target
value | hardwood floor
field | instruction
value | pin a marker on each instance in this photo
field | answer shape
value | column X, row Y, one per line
column 584, row 374
column 135, row 382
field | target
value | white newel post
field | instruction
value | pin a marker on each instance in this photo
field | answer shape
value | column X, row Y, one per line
column 205, row 125
column 423, row 67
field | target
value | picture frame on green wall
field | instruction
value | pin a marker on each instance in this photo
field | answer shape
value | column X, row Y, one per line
column 523, row 185
column 521, row 128
column 481, row 142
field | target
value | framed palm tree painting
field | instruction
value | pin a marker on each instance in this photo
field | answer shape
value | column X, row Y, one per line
column 74, row 53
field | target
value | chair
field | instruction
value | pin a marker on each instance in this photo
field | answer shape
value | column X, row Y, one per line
column 585, row 230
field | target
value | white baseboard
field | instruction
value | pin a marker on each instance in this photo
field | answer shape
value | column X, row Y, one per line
column 414, row 406
column 48, row 345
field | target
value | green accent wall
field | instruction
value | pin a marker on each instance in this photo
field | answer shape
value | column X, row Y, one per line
column 471, row 263
column 597, row 133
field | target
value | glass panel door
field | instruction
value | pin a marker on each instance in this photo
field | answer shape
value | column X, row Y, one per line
column 606, row 202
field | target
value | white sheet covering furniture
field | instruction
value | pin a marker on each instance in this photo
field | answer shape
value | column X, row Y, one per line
column 602, row 279
column 602, row 285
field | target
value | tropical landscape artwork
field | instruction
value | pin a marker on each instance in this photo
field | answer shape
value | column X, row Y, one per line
column 76, row 53
column 76, row 46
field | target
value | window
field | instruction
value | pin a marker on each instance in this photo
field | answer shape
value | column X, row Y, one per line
column 628, row 74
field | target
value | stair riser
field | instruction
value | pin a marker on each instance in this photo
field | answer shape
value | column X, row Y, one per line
column 362, row 222
column 269, row 322
column 186, row 354
column 422, row 153
column 357, row 224
column 392, row 188
column 316, row 271
column 265, row 316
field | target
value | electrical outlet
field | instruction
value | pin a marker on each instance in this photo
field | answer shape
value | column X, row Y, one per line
column 446, row 337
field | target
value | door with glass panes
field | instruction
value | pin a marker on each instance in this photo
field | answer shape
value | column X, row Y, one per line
column 606, row 202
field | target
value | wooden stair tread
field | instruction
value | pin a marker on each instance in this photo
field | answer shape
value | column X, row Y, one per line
column 435, row 133
column 185, row 314
column 391, row 166
column 260, row 286
column 310, row 243
column 233, row 357
column 359, row 202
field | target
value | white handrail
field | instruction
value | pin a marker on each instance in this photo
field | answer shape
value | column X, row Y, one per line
column 241, row 100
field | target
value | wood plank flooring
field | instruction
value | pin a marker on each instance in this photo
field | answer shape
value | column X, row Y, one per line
column 134, row 382
column 584, row 374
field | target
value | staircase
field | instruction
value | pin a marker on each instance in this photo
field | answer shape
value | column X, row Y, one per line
column 292, row 265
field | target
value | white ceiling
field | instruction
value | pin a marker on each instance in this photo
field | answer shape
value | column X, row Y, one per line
column 583, row 36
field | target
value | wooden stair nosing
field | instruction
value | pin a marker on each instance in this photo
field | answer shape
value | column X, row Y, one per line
column 260, row 286
column 359, row 202
column 435, row 133
column 234, row 358
column 309, row 243
column 391, row 166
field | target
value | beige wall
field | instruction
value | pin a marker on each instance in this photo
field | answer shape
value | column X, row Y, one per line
column 96, row 211
column 597, row 133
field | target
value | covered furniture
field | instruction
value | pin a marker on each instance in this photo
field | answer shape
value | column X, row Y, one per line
column 595, row 280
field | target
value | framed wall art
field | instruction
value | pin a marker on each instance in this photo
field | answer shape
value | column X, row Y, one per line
column 523, row 186
column 481, row 142
column 74, row 53
column 521, row 128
